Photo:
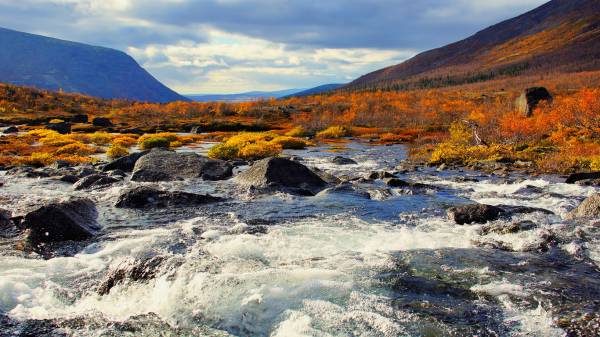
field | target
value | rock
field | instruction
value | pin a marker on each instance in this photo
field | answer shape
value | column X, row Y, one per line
column 5, row 218
column 102, row 122
column 530, row 99
column 379, row 175
column 442, row 167
column 71, row 220
column 164, row 165
column 63, row 128
column 327, row 177
column 149, row 197
column 126, row 163
column 60, row 164
column 79, row 119
column 338, row 160
column 395, row 182
column 508, row 228
column 69, row 178
column 94, row 181
column 475, row 213
column 346, row 189
column 119, row 174
column 131, row 270
column 11, row 129
column 530, row 189
column 279, row 174
column 589, row 182
column 575, row 177
column 588, row 209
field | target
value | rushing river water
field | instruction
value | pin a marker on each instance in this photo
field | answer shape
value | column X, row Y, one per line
column 338, row 264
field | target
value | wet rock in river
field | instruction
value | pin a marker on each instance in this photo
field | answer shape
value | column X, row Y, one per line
column 379, row 175
column 94, row 181
column 71, row 220
column 338, row 160
column 126, row 163
column 29, row 328
column 131, row 270
column 475, row 213
column 280, row 174
column 165, row 165
column 11, row 129
column 508, row 228
column 589, row 182
column 529, row 189
column 149, row 197
column 509, row 210
column 575, row 177
column 589, row 208
column 327, row 177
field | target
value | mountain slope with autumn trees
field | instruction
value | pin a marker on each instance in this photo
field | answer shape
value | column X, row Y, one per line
column 53, row 64
column 559, row 36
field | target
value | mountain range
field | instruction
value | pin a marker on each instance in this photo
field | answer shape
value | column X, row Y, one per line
column 53, row 64
column 561, row 35
column 242, row 97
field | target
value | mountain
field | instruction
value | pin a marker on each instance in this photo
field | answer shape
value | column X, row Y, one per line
column 242, row 97
column 561, row 35
column 317, row 90
column 48, row 63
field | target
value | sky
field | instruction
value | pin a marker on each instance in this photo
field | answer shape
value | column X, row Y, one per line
column 231, row 46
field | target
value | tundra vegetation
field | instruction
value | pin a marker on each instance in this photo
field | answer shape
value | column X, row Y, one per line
column 458, row 125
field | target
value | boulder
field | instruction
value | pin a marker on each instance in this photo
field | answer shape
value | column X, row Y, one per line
column 70, row 220
column 508, row 228
column 395, row 182
column 11, row 129
column 69, row 178
column 379, row 175
column 588, row 209
column 475, row 213
column 327, row 177
column 530, row 99
column 102, row 122
column 165, row 165
column 5, row 217
column 280, row 174
column 131, row 270
column 63, row 127
column 79, row 119
column 94, row 181
column 126, row 163
column 338, row 160
column 575, row 177
column 149, row 197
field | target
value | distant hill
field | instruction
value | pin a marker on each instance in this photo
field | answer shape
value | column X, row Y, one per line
column 317, row 90
column 242, row 97
column 561, row 35
column 48, row 63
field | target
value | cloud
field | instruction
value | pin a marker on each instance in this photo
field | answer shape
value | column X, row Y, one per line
column 231, row 45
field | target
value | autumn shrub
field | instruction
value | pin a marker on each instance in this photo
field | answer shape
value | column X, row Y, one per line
column 290, row 143
column 156, row 142
column 116, row 151
column 101, row 138
column 36, row 159
column 171, row 137
column 56, row 121
column 259, row 150
column 124, row 141
column 334, row 132
column 255, row 145
column 298, row 131
column 76, row 149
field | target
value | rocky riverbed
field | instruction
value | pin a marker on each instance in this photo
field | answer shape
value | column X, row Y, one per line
column 349, row 243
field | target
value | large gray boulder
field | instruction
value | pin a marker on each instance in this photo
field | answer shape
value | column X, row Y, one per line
column 576, row 177
column 94, row 181
column 530, row 99
column 475, row 213
column 588, row 209
column 280, row 174
column 71, row 220
column 165, row 165
column 126, row 163
column 150, row 197
column 131, row 270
